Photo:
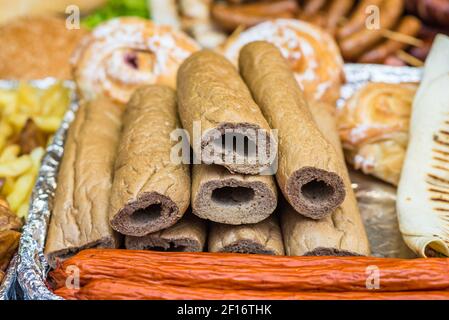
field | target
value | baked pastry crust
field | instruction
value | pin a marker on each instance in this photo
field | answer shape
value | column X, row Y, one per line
column 125, row 53
column 36, row 48
column 313, row 55
column 373, row 126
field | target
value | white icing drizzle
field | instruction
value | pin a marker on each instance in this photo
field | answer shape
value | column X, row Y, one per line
column 101, row 65
column 287, row 35
column 365, row 164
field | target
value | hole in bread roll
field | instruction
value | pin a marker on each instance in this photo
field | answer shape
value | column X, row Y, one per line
column 317, row 191
column 232, row 196
column 240, row 147
column 235, row 201
column 314, row 192
column 149, row 213
column 236, row 143
column 143, row 215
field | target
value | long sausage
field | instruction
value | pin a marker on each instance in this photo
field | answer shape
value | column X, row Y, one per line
column 409, row 26
column 358, row 18
column 356, row 44
column 231, row 17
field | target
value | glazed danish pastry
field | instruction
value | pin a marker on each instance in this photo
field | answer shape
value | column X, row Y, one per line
column 374, row 127
column 313, row 54
column 125, row 53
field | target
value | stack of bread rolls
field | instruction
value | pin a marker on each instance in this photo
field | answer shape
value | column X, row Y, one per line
column 320, row 216
column 266, row 176
column 116, row 178
column 235, row 195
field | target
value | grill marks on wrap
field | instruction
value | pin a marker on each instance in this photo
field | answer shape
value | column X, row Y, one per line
column 438, row 179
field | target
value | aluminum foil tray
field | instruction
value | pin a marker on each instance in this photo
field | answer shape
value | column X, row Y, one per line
column 29, row 257
column 26, row 278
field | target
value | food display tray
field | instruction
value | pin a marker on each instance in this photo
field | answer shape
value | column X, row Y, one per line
column 28, row 271
column 35, row 229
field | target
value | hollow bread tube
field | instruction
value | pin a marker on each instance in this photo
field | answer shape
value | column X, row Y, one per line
column 310, row 171
column 342, row 233
column 212, row 94
column 80, row 209
column 236, row 199
column 187, row 235
column 260, row 238
column 150, row 192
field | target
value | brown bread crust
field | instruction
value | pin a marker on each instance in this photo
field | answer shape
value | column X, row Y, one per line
column 211, row 92
column 150, row 192
column 260, row 238
column 187, row 235
column 220, row 196
column 340, row 234
column 80, row 213
column 310, row 171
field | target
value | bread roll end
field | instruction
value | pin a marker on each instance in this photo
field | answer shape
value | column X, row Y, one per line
column 315, row 193
column 56, row 257
column 160, row 244
column 236, row 202
column 151, row 212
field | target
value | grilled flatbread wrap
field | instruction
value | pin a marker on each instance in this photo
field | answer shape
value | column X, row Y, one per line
column 423, row 192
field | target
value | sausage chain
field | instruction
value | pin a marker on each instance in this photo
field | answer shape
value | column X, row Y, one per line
column 347, row 20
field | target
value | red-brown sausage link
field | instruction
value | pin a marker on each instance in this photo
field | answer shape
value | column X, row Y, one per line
column 409, row 26
column 356, row 44
column 229, row 17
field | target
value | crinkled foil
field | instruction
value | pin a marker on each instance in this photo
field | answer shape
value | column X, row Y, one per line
column 27, row 272
column 377, row 203
column 32, row 267
column 9, row 285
